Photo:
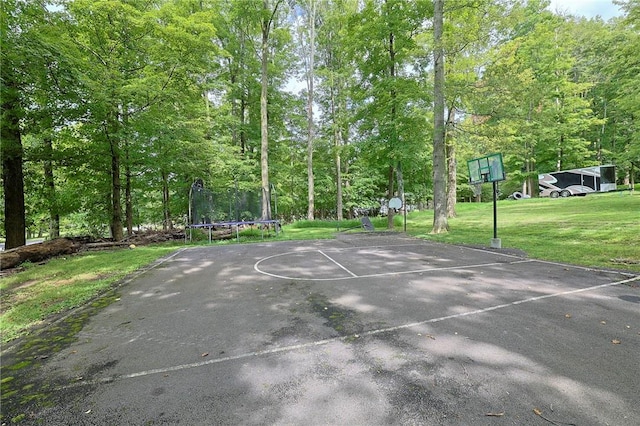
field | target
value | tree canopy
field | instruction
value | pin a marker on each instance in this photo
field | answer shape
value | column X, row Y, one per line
column 112, row 109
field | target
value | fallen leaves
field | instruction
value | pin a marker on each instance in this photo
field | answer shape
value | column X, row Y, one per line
column 603, row 322
column 428, row 336
column 624, row 261
column 538, row 412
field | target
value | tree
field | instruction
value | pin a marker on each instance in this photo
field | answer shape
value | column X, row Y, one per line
column 11, row 147
column 25, row 47
column 138, row 57
column 309, row 77
column 112, row 37
column 268, row 14
column 624, row 72
column 336, row 74
column 440, row 224
column 387, row 95
column 469, row 32
column 111, row 109
column 533, row 105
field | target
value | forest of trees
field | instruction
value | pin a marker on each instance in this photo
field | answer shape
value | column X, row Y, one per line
column 112, row 109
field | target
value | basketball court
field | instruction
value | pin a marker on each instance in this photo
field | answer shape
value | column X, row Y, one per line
column 369, row 328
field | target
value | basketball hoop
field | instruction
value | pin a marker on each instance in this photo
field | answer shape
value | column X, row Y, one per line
column 477, row 189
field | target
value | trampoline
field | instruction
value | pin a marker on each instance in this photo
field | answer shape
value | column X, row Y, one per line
column 230, row 208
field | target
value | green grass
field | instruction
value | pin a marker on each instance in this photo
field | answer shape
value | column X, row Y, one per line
column 599, row 230
column 32, row 296
column 323, row 229
column 595, row 231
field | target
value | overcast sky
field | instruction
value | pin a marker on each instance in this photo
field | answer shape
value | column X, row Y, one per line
column 588, row 8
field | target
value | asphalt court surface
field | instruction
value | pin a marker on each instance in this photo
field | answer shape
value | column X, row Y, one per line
column 365, row 329
column 404, row 257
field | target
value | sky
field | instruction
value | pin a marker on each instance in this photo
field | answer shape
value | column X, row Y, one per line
column 587, row 8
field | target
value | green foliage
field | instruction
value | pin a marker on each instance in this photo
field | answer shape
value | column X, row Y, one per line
column 329, row 224
column 121, row 105
column 597, row 230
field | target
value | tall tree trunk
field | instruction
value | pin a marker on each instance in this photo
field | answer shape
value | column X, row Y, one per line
column 128, row 202
column 390, row 193
column 529, row 152
column 167, row 222
column 264, row 135
column 310, row 124
column 560, row 157
column 243, row 132
column 440, row 223
column 602, row 134
column 392, row 120
column 116, row 205
column 344, row 138
column 338, row 161
column 127, row 197
column 339, row 201
column 116, row 185
column 530, row 184
column 452, row 164
column 401, row 190
column 235, row 113
column 264, row 123
column 12, row 174
column 49, row 182
column 338, row 141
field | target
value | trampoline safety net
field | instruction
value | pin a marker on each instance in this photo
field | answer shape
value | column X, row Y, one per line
column 206, row 206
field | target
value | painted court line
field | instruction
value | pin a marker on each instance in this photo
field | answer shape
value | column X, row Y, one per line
column 334, row 261
column 256, row 267
column 446, row 268
column 338, row 339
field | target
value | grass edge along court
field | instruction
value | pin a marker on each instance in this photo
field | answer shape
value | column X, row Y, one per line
column 600, row 231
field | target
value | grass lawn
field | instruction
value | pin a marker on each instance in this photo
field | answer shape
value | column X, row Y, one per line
column 600, row 230
column 32, row 296
column 596, row 231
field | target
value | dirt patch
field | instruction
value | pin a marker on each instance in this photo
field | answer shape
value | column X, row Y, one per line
column 24, row 285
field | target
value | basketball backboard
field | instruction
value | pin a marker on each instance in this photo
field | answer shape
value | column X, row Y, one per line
column 486, row 169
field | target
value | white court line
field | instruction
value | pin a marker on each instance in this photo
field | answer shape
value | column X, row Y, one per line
column 342, row 267
column 424, row 244
column 549, row 262
column 256, row 267
column 337, row 339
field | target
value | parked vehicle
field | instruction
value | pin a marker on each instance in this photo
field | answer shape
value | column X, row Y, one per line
column 577, row 181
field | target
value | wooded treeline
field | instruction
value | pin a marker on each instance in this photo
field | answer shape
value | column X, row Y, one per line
column 112, row 109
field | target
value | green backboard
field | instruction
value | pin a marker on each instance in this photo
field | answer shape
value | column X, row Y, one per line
column 486, row 169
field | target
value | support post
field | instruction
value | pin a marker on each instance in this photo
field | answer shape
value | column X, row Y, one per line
column 495, row 241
